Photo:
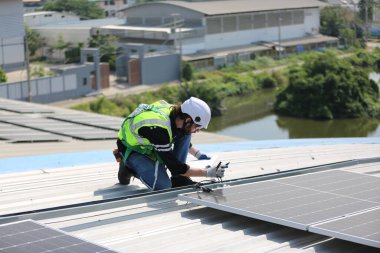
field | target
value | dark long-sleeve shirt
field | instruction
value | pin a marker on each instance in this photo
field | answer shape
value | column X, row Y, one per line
column 160, row 140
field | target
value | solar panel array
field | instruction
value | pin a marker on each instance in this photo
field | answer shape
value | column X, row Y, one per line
column 14, row 133
column 73, row 130
column 23, row 107
column 32, row 237
column 30, row 122
column 90, row 120
column 301, row 201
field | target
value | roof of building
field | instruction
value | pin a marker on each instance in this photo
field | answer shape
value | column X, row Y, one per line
column 72, row 185
column 241, row 6
column 36, row 13
column 82, row 23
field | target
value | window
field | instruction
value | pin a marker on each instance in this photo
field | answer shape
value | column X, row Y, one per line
column 298, row 17
column 245, row 22
column 259, row 21
column 229, row 24
column 273, row 19
column 214, row 25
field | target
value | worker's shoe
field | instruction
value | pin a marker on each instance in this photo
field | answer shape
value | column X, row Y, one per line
column 178, row 181
column 124, row 175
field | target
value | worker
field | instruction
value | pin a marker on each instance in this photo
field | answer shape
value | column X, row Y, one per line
column 157, row 137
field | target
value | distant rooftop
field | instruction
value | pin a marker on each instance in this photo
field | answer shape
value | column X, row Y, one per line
column 87, row 23
column 242, row 6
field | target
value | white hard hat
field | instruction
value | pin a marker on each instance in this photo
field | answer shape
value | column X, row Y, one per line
column 198, row 110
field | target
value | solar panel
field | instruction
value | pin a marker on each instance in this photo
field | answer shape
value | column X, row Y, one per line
column 299, row 201
column 14, row 133
column 32, row 237
column 59, row 127
column 90, row 120
column 23, row 107
column 363, row 228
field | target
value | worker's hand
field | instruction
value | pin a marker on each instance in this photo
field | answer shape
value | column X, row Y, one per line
column 201, row 156
column 215, row 170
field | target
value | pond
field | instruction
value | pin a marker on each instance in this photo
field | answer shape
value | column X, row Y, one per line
column 251, row 118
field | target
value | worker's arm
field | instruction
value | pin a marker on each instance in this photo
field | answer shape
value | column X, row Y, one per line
column 198, row 154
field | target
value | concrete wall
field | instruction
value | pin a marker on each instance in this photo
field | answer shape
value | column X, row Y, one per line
column 72, row 82
column 45, row 90
column 73, row 34
column 160, row 68
column 12, row 32
column 44, row 18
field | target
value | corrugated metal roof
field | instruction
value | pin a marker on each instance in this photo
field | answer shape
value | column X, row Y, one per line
column 129, row 218
column 240, row 6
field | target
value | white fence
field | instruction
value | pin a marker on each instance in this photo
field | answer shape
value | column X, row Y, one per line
column 46, row 89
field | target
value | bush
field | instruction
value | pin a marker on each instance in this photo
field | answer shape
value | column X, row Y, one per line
column 187, row 71
column 3, row 76
column 326, row 88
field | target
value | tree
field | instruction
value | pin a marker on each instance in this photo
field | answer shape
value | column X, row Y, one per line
column 326, row 88
column 72, row 55
column 60, row 45
column 187, row 71
column 339, row 22
column 34, row 40
column 3, row 76
column 366, row 10
column 83, row 8
column 332, row 20
column 107, row 47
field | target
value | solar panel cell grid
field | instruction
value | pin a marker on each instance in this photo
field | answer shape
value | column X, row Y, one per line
column 31, row 237
column 299, row 201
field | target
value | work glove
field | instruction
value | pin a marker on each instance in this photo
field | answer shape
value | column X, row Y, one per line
column 216, row 170
column 201, row 156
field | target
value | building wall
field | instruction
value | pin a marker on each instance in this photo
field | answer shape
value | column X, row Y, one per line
column 160, row 68
column 38, row 19
column 68, row 84
column 12, row 32
column 112, row 7
column 73, row 34
column 263, row 32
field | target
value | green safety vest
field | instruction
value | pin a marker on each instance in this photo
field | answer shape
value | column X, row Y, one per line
column 156, row 114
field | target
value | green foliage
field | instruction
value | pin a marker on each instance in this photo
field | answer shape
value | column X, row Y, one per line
column 3, row 76
column 187, row 71
column 83, row 8
column 34, row 39
column 107, row 47
column 326, row 88
column 332, row 20
column 369, row 5
column 213, row 91
column 339, row 22
column 364, row 59
column 72, row 55
column 39, row 71
column 60, row 45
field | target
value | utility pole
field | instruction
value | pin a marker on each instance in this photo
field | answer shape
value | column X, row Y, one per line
column 279, row 37
column 177, row 22
column 27, row 65
column 366, row 17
